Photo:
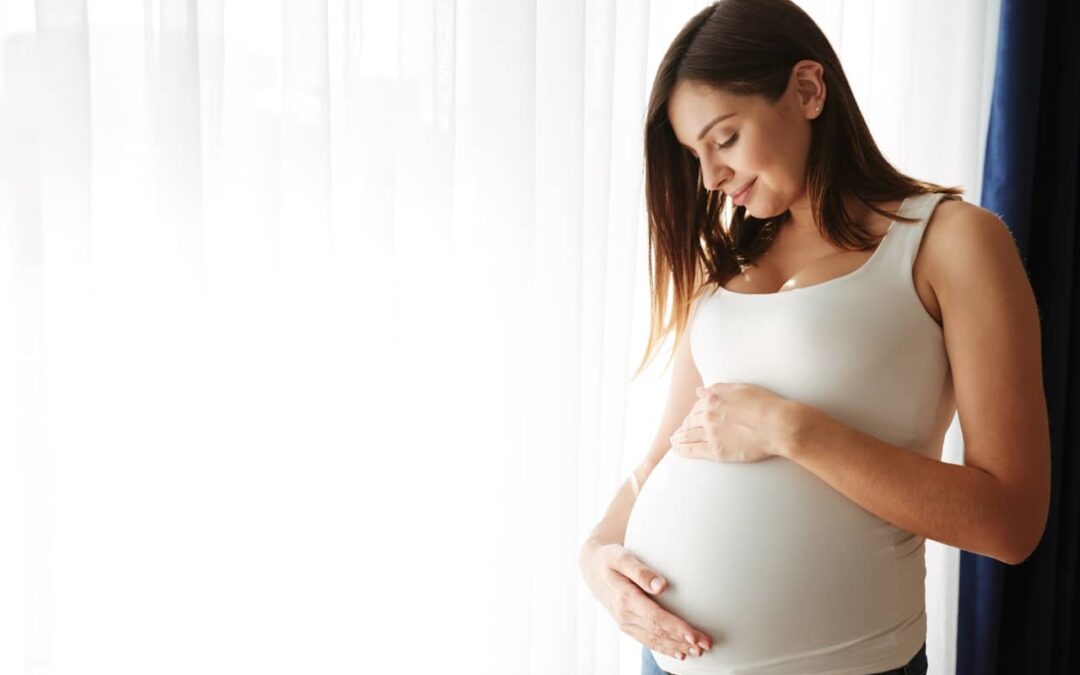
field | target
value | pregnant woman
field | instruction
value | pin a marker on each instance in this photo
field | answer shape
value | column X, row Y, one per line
column 827, row 328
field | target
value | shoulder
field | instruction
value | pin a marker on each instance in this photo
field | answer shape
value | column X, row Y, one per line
column 955, row 217
column 966, row 245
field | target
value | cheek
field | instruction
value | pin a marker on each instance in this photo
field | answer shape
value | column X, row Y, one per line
column 774, row 162
column 768, row 151
column 758, row 156
column 788, row 154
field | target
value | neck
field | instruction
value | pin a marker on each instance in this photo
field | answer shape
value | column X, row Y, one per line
column 802, row 223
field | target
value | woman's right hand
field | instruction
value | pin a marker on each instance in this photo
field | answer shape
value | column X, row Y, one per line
column 622, row 584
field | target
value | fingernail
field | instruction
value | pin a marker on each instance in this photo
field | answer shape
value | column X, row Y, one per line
column 703, row 646
column 694, row 651
column 656, row 584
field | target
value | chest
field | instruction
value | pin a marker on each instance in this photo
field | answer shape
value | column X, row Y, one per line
column 815, row 263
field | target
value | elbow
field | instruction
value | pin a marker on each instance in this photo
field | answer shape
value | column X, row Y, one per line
column 1025, row 515
column 1015, row 556
column 1020, row 547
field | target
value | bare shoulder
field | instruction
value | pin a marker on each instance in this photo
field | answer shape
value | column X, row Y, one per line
column 963, row 243
column 966, row 242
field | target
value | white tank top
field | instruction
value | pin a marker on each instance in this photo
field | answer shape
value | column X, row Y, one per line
column 785, row 573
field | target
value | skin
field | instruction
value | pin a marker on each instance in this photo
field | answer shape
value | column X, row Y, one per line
column 772, row 146
column 769, row 143
column 970, row 278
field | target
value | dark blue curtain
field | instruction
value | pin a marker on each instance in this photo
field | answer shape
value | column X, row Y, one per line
column 1025, row 618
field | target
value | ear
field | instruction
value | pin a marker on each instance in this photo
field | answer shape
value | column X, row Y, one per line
column 809, row 82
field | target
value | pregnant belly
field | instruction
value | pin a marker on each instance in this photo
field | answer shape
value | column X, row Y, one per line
column 772, row 563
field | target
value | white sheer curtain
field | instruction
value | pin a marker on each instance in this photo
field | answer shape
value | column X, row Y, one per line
column 319, row 318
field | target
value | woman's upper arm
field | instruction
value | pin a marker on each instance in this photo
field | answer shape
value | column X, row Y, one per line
column 992, row 336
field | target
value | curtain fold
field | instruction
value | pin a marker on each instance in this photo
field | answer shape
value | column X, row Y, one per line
column 320, row 318
column 1022, row 619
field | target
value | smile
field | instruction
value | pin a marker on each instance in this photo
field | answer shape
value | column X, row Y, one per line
column 739, row 198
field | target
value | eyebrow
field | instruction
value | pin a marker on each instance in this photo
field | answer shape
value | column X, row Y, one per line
column 710, row 124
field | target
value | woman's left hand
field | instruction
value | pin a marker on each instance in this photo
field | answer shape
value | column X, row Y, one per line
column 736, row 422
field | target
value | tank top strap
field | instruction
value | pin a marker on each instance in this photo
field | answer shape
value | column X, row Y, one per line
column 919, row 206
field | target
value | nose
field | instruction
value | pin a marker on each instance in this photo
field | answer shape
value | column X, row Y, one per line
column 712, row 177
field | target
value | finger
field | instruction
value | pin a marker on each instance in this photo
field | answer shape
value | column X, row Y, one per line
column 695, row 420
column 638, row 573
column 662, row 644
column 641, row 610
column 671, row 627
column 691, row 450
column 640, row 577
column 690, row 435
column 634, row 622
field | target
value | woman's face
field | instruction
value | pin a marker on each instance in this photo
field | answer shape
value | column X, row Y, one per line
column 754, row 141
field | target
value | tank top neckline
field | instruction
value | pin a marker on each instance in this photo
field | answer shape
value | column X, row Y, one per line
column 844, row 277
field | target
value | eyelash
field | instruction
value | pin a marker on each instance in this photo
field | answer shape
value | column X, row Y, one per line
column 724, row 146
column 729, row 143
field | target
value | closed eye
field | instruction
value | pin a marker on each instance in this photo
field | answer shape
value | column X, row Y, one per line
column 719, row 146
column 730, row 142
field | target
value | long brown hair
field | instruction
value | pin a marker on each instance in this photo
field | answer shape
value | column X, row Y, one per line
column 750, row 47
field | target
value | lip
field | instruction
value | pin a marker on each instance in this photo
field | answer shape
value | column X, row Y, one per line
column 739, row 198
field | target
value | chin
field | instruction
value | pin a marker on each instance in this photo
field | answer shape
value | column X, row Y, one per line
column 762, row 213
column 756, row 212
